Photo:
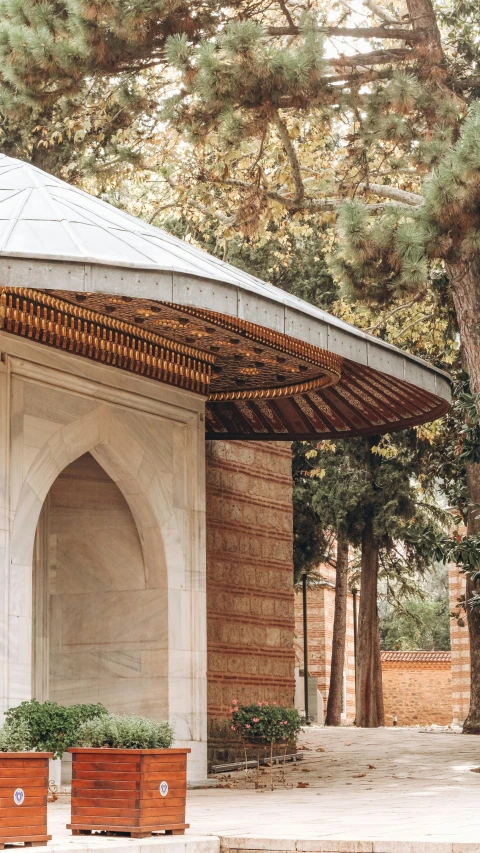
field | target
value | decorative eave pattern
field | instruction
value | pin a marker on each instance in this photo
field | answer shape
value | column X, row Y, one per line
column 260, row 384
column 49, row 320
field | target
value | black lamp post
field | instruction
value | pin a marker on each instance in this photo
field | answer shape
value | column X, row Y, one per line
column 354, row 593
column 305, row 646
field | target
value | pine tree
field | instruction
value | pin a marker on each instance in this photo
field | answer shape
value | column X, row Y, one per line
column 87, row 74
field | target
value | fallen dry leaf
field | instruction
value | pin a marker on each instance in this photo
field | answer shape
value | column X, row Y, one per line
column 371, row 767
column 319, row 749
column 359, row 776
column 303, row 784
column 306, row 770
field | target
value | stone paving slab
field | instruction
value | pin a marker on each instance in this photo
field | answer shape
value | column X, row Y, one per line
column 356, row 791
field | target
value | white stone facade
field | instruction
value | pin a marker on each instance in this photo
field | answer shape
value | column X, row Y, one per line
column 132, row 616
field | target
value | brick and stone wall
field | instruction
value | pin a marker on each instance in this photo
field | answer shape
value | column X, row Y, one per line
column 417, row 688
column 460, row 645
column 250, row 617
column 320, row 608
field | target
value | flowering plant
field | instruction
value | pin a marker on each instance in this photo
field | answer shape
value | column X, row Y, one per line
column 262, row 721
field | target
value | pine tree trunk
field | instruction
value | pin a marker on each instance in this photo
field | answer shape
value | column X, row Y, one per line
column 369, row 694
column 335, row 690
column 471, row 725
column 465, row 282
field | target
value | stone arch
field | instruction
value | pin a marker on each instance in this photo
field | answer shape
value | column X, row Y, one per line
column 155, row 458
column 115, row 446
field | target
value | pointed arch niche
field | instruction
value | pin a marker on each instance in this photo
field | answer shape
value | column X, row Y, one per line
column 103, row 552
column 99, row 633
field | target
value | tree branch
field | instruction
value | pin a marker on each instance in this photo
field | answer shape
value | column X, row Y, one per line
column 354, row 32
column 304, row 203
column 292, row 157
column 375, row 57
column 413, row 323
column 467, row 82
column 377, row 10
column 286, row 12
column 385, row 191
column 159, row 210
column 402, row 307
column 286, row 201
column 197, row 205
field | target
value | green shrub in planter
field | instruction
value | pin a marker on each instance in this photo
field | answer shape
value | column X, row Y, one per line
column 265, row 722
column 50, row 727
column 125, row 732
column 15, row 737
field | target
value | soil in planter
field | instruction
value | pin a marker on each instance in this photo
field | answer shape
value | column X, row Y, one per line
column 133, row 792
column 23, row 798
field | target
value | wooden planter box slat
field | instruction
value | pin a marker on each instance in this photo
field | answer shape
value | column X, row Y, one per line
column 116, row 790
column 102, row 767
column 26, row 773
column 6, row 802
column 101, row 784
column 26, row 822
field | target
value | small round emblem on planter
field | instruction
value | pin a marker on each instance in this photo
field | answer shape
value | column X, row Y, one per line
column 19, row 797
column 163, row 788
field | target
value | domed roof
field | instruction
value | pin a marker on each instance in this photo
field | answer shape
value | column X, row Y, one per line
column 44, row 217
column 276, row 366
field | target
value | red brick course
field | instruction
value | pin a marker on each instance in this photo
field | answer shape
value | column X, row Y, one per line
column 250, row 618
column 460, row 644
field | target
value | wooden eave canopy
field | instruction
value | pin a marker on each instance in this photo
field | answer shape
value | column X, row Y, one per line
column 82, row 276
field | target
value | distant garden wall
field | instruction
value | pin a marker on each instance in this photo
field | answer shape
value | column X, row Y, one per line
column 417, row 688
column 250, row 614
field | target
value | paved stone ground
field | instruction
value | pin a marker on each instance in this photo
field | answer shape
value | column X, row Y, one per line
column 354, row 785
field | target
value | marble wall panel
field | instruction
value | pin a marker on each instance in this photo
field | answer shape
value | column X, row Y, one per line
column 145, row 696
column 104, row 617
column 95, row 663
column 110, row 557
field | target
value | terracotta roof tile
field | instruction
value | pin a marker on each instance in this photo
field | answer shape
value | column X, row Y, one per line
column 416, row 655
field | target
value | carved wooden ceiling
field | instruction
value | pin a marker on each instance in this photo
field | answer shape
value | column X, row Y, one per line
column 259, row 384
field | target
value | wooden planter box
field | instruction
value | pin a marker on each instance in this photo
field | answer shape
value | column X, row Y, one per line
column 23, row 797
column 134, row 791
